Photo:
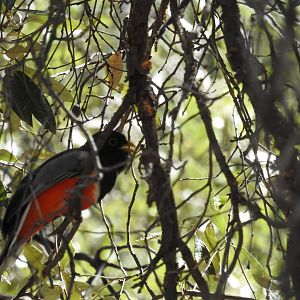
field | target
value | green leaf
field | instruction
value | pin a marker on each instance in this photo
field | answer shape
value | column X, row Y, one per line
column 217, row 211
column 76, row 294
column 34, row 257
column 211, row 241
column 14, row 119
column 37, row 17
column 220, row 201
column 49, row 293
column 82, row 285
column 26, row 99
column 3, row 194
column 61, row 90
column 258, row 271
column 7, row 156
column 17, row 99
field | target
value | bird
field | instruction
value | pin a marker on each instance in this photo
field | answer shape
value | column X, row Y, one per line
column 50, row 190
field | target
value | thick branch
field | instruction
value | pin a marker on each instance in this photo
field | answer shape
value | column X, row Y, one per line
column 160, row 189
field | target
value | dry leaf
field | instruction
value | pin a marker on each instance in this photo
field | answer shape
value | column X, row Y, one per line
column 115, row 71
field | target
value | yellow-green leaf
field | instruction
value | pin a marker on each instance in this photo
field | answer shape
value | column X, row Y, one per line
column 34, row 257
column 258, row 271
column 49, row 293
column 210, row 239
column 7, row 156
column 75, row 294
column 61, row 90
column 3, row 194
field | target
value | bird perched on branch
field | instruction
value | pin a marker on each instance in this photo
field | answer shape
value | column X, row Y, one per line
column 66, row 182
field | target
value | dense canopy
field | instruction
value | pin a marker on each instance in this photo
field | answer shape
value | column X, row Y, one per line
column 208, row 91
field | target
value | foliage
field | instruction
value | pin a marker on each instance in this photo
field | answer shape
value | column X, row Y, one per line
column 209, row 93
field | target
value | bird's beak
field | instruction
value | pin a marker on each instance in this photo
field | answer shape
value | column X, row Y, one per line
column 129, row 148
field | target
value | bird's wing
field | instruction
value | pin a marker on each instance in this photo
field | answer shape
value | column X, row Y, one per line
column 67, row 164
column 62, row 166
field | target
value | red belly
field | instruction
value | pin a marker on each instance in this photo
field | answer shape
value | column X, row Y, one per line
column 55, row 202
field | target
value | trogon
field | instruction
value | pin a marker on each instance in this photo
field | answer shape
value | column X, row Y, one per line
column 50, row 190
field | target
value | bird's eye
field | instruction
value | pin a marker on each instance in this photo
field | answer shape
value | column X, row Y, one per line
column 112, row 142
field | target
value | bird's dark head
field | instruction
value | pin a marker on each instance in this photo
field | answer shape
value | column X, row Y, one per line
column 115, row 151
column 113, row 156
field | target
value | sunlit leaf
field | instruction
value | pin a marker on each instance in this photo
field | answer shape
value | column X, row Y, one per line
column 7, row 156
column 220, row 201
column 218, row 212
column 45, row 154
column 62, row 91
column 37, row 17
column 211, row 241
column 14, row 120
column 82, row 285
column 76, row 294
column 34, row 257
column 157, row 121
column 51, row 293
